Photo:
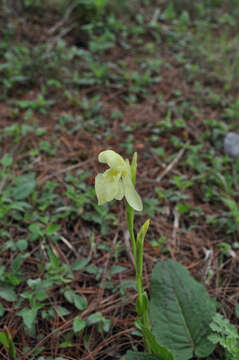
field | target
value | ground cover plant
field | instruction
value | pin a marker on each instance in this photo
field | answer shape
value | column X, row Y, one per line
column 155, row 77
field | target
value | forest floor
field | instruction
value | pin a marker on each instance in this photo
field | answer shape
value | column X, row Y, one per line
column 154, row 80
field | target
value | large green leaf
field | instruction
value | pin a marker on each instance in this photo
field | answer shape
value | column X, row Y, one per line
column 180, row 311
column 134, row 355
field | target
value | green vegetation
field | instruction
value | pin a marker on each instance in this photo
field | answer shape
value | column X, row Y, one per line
column 226, row 335
column 79, row 77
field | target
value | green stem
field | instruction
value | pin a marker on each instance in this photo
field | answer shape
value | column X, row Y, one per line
column 143, row 314
column 130, row 222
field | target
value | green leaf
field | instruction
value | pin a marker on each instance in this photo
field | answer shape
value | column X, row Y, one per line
column 6, row 160
column 11, row 346
column 79, row 264
column 116, row 269
column 4, row 340
column 140, row 247
column 226, row 335
column 20, row 205
column 52, row 229
column 8, row 294
column 134, row 168
column 80, row 302
column 29, row 316
column 181, row 311
column 62, row 311
column 159, row 151
column 66, row 344
column 1, row 310
column 95, row 318
column 142, row 304
column 17, row 262
column 22, row 244
column 78, row 324
column 161, row 351
column 24, row 186
column 134, row 355
column 233, row 207
column 69, row 295
column 7, row 342
column 35, row 229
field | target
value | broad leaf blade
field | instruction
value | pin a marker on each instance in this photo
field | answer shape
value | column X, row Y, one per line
column 181, row 311
column 134, row 355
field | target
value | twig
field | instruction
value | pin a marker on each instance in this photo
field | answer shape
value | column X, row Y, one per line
column 155, row 17
column 171, row 165
column 68, row 244
column 65, row 18
column 69, row 168
column 175, row 225
column 208, row 261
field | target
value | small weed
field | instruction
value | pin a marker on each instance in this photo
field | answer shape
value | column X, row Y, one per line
column 226, row 335
column 40, row 104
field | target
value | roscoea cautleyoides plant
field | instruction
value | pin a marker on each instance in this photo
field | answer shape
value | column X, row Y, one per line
column 115, row 183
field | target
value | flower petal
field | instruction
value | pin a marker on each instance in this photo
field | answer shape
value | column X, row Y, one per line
column 106, row 190
column 131, row 194
column 120, row 194
column 112, row 159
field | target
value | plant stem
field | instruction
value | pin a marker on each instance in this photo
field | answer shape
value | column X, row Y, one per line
column 143, row 311
column 130, row 222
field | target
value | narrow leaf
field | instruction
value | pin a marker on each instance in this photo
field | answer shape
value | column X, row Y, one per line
column 4, row 340
column 140, row 247
column 157, row 349
column 1, row 310
column 11, row 346
column 134, row 168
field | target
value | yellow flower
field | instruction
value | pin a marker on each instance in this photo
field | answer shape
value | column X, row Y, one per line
column 116, row 182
